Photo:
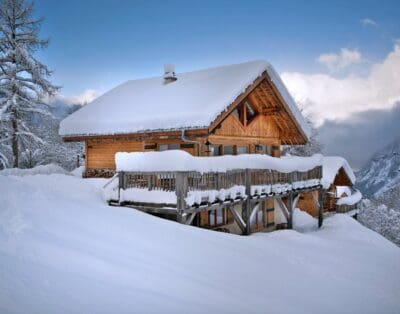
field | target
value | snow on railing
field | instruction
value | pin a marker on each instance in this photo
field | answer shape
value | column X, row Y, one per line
column 208, row 187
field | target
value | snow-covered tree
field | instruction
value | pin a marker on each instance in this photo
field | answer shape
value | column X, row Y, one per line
column 23, row 79
column 312, row 147
column 381, row 218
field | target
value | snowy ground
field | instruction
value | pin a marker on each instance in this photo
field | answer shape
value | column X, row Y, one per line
column 62, row 250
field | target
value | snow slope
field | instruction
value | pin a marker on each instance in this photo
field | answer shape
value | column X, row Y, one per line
column 62, row 250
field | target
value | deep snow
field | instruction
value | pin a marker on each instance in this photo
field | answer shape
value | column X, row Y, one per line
column 62, row 250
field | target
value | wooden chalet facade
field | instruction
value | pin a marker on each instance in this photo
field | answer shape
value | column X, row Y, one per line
column 231, row 110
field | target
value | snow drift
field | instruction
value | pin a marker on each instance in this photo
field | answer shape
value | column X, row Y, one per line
column 62, row 250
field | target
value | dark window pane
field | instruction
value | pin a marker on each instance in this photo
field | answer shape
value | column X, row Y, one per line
column 163, row 147
column 242, row 150
column 215, row 150
column 169, row 146
column 228, row 150
column 174, row 146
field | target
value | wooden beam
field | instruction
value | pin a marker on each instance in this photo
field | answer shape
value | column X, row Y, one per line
column 181, row 189
column 290, row 208
column 239, row 220
column 321, row 207
column 140, row 135
column 247, row 203
column 319, row 203
column 271, row 111
column 283, row 207
column 189, row 220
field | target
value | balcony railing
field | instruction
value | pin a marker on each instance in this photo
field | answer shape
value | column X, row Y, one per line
column 195, row 188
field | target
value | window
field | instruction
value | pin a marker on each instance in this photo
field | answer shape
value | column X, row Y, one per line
column 170, row 146
column 150, row 146
column 245, row 113
column 250, row 113
column 217, row 217
column 229, row 150
column 264, row 149
column 242, row 150
column 215, row 150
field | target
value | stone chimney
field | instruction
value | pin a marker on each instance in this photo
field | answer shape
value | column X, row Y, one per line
column 169, row 73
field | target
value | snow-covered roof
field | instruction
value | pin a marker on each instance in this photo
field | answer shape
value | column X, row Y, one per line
column 350, row 199
column 330, row 168
column 193, row 101
column 343, row 189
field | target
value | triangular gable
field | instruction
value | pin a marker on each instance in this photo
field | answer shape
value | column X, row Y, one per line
column 342, row 178
column 267, row 99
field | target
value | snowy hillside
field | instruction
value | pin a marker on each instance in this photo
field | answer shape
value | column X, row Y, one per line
column 63, row 250
column 382, row 171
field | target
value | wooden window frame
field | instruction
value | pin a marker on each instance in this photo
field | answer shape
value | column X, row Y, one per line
column 214, row 214
column 242, row 113
column 168, row 144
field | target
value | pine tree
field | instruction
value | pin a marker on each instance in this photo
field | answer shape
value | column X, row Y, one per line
column 23, row 79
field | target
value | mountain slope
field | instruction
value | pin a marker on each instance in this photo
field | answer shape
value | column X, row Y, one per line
column 63, row 250
column 382, row 172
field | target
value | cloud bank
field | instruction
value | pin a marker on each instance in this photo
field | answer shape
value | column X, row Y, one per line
column 330, row 98
column 360, row 136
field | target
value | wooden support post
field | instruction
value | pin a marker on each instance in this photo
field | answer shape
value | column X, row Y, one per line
column 121, row 183
column 321, row 197
column 247, row 203
column 290, row 209
column 239, row 220
column 190, row 218
column 283, row 207
column 181, row 189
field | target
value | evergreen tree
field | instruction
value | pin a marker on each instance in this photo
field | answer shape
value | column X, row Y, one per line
column 23, row 79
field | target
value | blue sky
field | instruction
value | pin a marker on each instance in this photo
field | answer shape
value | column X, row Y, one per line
column 98, row 44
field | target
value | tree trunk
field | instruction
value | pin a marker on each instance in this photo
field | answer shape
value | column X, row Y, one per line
column 14, row 140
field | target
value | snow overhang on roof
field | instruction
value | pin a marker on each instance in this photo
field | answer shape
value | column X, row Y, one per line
column 193, row 101
column 330, row 168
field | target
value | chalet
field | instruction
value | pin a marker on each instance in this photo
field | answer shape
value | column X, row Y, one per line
column 223, row 111
column 338, row 181
column 227, row 110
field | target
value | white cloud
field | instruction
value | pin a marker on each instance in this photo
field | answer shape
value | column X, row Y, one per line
column 85, row 97
column 326, row 97
column 341, row 60
column 368, row 22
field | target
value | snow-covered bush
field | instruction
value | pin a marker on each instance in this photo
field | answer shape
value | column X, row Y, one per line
column 47, row 169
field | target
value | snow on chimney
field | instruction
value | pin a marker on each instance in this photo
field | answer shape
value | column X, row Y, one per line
column 169, row 73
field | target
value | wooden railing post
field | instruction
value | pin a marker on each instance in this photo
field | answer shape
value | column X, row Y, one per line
column 290, row 209
column 247, row 203
column 181, row 190
column 321, row 197
column 121, row 183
